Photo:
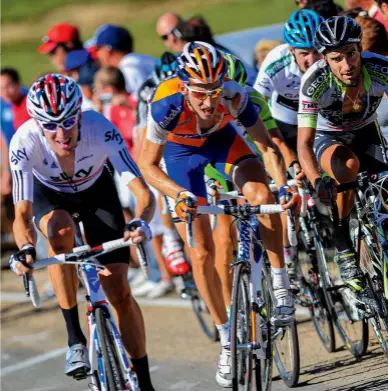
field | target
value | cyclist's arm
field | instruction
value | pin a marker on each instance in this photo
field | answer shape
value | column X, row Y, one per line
column 23, row 226
column 272, row 157
column 20, row 163
column 113, row 145
column 307, row 159
column 288, row 154
column 149, row 165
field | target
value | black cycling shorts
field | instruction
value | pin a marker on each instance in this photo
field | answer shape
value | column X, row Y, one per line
column 366, row 143
column 289, row 133
column 99, row 209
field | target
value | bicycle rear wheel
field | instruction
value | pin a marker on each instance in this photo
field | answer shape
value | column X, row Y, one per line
column 204, row 318
column 240, row 333
column 112, row 372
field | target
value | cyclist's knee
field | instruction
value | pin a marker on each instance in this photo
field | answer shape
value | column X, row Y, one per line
column 120, row 298
column 258, row 194
column 59, row 229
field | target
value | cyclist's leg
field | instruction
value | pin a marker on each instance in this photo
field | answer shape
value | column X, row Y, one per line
column 224, row 236
column 342, row 164
column 249, row 175
column 185, row 166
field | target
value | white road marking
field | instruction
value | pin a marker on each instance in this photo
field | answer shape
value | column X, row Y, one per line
column 153, row 369
column 30, row 338
column 21, row 365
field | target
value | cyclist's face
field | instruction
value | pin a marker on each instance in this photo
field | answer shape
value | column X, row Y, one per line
column 305, row 57
column 204, row 106
column 103, row 55
column 345, row 63
column 63, row 142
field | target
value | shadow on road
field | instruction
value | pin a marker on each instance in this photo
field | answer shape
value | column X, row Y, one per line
column 379, row 383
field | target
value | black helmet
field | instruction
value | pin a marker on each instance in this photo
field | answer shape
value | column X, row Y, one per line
column 165, row 67
column 337, row 32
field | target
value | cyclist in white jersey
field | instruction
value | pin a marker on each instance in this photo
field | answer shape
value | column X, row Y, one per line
column 281, row 72
column 58, row 167
column 337, row 129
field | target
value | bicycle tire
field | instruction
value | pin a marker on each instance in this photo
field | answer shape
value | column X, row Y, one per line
column 204, row 318
column 289, row 377
column 320, row 315
column 263, row 376
column 113, row 376
column 240, row 330
column 335, row 304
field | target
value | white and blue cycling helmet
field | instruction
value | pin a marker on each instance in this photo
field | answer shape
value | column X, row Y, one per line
column 300, row 29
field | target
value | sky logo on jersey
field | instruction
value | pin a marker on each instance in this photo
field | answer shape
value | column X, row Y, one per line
column 113, row 135
column 18, row 156
column 80, row 174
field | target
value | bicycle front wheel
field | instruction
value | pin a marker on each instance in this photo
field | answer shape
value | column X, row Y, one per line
column 112, row 373
column 240, row 332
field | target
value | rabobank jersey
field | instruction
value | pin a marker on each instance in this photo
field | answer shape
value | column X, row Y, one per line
column 322, row 96
column 31, row 156
column 279, row 79
column 171, row 119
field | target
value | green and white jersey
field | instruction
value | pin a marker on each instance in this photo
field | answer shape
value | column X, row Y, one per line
column 279, row 79
column 322, row 96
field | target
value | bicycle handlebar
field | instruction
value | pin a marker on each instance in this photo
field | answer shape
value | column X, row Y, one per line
column 242, row 211
column 77, row 255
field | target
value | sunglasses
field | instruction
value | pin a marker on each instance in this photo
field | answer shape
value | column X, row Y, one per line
column 174, row 31
column 66, row 124
column 202, row 95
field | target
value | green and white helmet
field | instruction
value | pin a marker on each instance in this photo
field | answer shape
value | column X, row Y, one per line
column 236, row 69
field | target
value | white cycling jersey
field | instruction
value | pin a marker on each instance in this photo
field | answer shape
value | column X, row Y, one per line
column 279, row 78
column 31, row 156
column 136, row 69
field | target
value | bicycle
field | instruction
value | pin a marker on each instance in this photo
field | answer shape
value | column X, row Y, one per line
column 111, row 369
column 251, row 333
column 369, row 231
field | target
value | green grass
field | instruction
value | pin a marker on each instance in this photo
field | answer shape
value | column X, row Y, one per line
column 229, row 15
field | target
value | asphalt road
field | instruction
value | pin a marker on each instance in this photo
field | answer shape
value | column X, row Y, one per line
column 181, row 358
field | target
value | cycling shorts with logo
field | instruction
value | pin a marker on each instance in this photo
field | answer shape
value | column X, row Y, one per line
column 185, row 164
column 366, row 143
column 98, row 206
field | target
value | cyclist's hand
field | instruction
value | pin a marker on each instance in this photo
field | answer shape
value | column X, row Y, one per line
column 22, row 261
column 325, row 189
column 137, row 230
column 212, row 189
column 290, row 199
column 186, row 202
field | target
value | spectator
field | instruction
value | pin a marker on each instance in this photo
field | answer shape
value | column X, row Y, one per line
column 113, row 100
column 263, row 47
column 383, row 7
column 168, row 28
column 374, row 35
column 369, row 6
column 12, row 92
column 325, row 8
column 115, row 48
column 60, row 40
column 301, row 3
column 82, row 68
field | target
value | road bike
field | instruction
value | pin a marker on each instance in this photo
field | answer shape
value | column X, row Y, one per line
column 111, row 369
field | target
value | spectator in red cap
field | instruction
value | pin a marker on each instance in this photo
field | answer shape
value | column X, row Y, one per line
column 60, row 39
column 12, row 92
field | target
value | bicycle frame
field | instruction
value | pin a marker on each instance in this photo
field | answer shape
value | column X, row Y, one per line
column 247, row 231
column 96, row 298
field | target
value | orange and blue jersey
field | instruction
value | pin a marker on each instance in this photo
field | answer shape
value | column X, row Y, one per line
column 188, row 150
column 171, row 119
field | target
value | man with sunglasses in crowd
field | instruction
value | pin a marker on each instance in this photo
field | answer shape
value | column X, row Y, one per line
column 57, row 160
column 189, row 126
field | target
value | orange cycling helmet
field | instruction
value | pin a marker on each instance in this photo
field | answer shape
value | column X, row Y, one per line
column 201, row 63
